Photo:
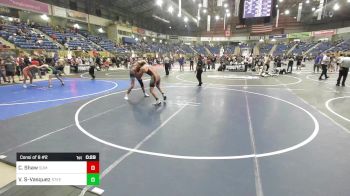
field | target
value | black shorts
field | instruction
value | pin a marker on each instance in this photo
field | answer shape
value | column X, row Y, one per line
column 132, row 75
column 153, row 82
column 10, row 73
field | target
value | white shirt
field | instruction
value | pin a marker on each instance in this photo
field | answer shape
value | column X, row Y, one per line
column 326, row 60
column 345, row 62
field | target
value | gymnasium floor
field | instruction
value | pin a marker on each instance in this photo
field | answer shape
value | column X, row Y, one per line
column 237, row 135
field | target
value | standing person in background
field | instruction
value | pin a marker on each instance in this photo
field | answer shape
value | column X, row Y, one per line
column 299, row 61
column 10, row 68
column 98, row 61
column 199, row 70
column 2, row 75
column 166, row 65
column 250, row 62
column 182, row 62
column 317, row 63
column 213, row 60
column 92, row 69
column 191, row 63
column 290, row 64
column 344, row 69
column 326, row 60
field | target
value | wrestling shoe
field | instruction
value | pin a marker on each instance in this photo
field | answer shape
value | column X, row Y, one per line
column 157, row 103
column 146, row 95
column 24, row 86
column 126, row 97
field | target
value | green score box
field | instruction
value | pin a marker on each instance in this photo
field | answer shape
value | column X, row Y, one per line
column 93, row 179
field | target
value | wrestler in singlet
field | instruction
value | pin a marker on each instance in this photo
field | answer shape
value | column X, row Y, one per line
column 155, row 79
column 27, row 73
column 132, row 82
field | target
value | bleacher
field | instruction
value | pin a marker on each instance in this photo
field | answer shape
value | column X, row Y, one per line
column 265, row 49
column 103, row 42
column 229, row 49
column 214, row 49
column 302, row 47
column 200, row 49
column 73, row 40
column 323, row 46
column 343, row 46
column 282, row 49
column 25, row 37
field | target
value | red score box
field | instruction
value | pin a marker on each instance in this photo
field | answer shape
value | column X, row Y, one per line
column 93, row 167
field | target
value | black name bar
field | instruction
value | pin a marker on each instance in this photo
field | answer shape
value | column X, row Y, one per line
column 42, row 156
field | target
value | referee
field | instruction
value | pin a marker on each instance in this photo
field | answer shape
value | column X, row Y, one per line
column 344, row 69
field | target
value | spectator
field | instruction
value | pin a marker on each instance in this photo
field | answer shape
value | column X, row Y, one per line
column 344, row 69
column 10, row 68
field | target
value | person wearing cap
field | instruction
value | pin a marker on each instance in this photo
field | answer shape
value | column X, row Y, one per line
column 344, row 69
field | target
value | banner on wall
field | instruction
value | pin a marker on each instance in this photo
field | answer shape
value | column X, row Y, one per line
column 9, row 12
column 280, row 36
column 161, row 36
column 329, row 32
column 255, row 38
column 241, row 26
column 30, row 5
column 299, row 35
column 141, row 31
column 59, row 11
column 77, row 15
column 206, row 39
column 134, row 30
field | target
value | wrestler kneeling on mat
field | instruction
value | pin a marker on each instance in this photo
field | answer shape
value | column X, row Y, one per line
column 132, row 80
column 155, row 78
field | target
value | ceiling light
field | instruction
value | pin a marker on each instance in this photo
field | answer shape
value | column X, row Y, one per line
column 159, row 3
column 186, row 19
column 153, row 39
column 100, row 30
column 200, row 5
column 76, row 26
column 217, row 17
column 307, row 1
column 276, row 6
column 336, row 7
column 225, row 5
column 170, row 9
column 204, row 11
column 287, row 12
column 280, row 1
column 228, row 14
column 313, row 9
column 44, row 17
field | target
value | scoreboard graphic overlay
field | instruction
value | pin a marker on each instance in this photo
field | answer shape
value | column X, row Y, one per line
column 58, row 169
column 257, row 8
